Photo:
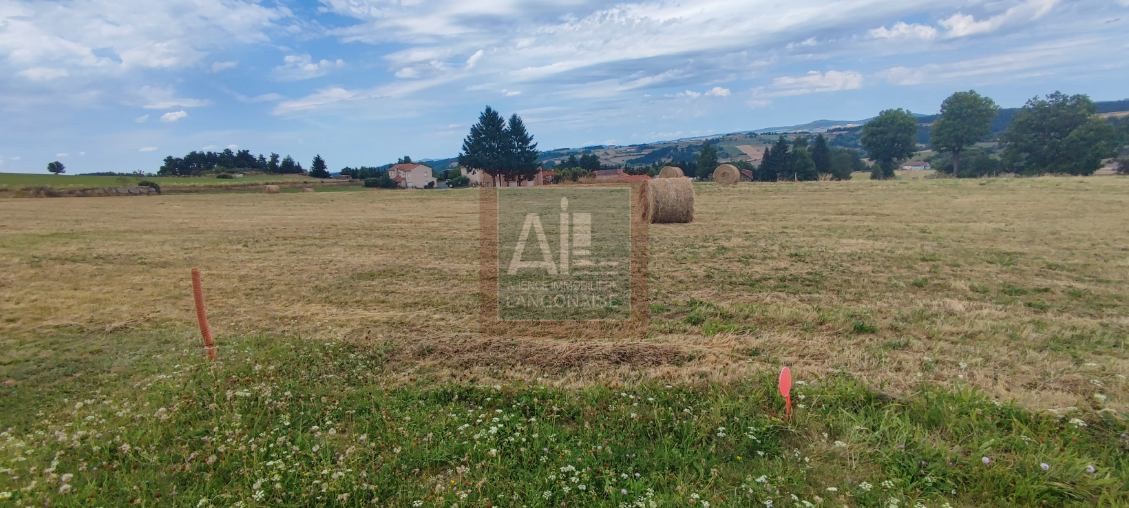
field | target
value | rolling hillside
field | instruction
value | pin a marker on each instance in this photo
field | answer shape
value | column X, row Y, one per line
column 750, row 145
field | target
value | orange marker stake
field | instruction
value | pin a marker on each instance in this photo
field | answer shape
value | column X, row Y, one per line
column 202, row 315
column 785, row 386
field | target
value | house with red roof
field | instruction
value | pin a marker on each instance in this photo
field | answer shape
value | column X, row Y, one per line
column 412, row 176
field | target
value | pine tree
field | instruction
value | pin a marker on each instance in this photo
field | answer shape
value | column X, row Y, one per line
column 707, row 160
column 487, row 145
column 318, row 168
column 775, row 164
column 272, row 165
column 801, row 166
column 523, row 151
column 821, row 155
column 590, row 161
column 288, row 165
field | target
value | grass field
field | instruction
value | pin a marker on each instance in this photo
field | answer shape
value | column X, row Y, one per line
column 952, row 337
column 16, row 181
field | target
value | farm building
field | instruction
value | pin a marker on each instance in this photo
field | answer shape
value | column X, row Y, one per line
column 617, row 175
column 412, row 176
column 481, row 178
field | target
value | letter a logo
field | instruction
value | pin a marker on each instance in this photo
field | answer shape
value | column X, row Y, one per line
column 534, row 222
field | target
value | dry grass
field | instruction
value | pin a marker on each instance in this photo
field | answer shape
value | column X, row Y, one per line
column 1016, row 286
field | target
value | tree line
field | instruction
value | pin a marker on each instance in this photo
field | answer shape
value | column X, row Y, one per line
column 1054, row 134
column 197, row 163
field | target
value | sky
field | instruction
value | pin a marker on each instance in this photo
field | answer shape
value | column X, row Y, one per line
column 116, row 85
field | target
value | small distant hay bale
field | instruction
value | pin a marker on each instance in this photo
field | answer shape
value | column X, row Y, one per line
column 307, row 189
column 671, row 172
column 669, row 201
column 726, row 174
column 272, row 189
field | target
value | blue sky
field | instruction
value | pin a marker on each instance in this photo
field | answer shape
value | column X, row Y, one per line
column 115, row 85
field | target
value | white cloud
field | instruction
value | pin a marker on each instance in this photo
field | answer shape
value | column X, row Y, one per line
column 1006, row 66
column 223, row 66
column 62, row 155
column 963, row 25
column 336, row 95
column 107, row 37
column 142, row 119
column 903, row 30
column 145, row 149
column 473, row 59
column 511, row 93
column 718, row 91
column 43, row 73
column 543, row 41
column 174, row 116
column 155, row 97
column 813, row 82
column 298, row 67
column 323, row 97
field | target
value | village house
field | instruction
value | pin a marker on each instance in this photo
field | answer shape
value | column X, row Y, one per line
column 915, row 165
column 481, row 178
column 617, row 175
column 412, row 176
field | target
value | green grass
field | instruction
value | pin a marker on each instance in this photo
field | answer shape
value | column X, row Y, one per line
column 15, row 181
column 119, row 419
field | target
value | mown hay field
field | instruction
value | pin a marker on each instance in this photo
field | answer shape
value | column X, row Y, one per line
column 1012, row 291
column 10, row 182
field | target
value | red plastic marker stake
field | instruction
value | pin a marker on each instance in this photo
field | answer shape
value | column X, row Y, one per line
column 786, row 390
column 202, row 315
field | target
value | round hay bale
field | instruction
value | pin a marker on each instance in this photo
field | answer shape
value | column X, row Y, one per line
column 726, row 174
column 671, row 172
column 271, row 189
column 308, row 189
column 669, row 201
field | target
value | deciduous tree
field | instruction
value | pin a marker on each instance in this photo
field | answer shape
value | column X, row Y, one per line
column 888, row 139
column 966, row 118
column 1057, row 134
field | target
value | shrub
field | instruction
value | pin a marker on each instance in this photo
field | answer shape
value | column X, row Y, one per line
column 149, row 183
column 458, row 181
column 383, row 181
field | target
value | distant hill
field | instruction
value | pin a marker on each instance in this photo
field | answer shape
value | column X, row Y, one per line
column 750, row 145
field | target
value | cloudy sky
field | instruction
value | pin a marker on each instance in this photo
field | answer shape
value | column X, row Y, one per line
column 118, row 84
